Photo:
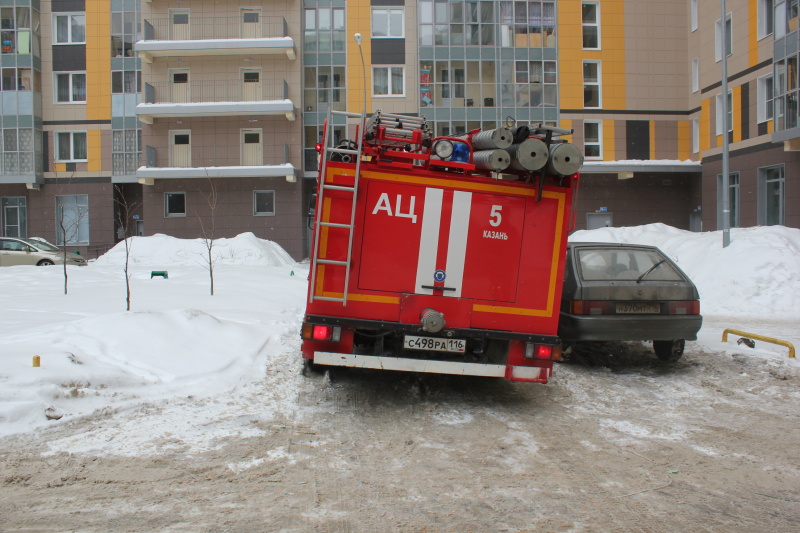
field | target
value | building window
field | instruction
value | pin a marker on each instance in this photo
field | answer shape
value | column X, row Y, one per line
column 324, row 88
column 766, row 14
column 127, row 81
column 695, row 135
column 14, row 216
column 174, row 204
column 529, row 24
column 695, row 75
column 590, row 19
column 388, row 81
column 71, row 146
column 72, row 219
column 719, row 112
column 125, row 151
column 733, row 200
column 126, row 29
column 771, row 196
column 20, row 79
column 593, row 139
column 263, row 203
column 766, row 94
column 387, row 22
column 728, row 37
column 693, row 9
column 70, row 87
column 17, row 151
column 16, row 35
column 591, row 84
column 324, row 30
column 69, row 28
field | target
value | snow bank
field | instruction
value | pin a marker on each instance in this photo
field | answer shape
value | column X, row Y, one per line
column 163, row 250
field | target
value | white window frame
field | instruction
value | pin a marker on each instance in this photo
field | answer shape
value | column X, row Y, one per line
column 598, row 83
column 388, row 68
column 71, row 87
column 695, row 74
column 390, row 12
column 72, row 134
column 765, row 106
column 718, row 36
column 718, row 100
column 70, row 39
column 596, row 24
column 77, row 223
column 695, row 135
column 598, row 143
column 693, row 10
column 167, row 212
column 256, row 212
column 766, row 15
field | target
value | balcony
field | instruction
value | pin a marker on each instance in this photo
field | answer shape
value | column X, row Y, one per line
column 215, row 98
column 214, row 36
column 147, row 174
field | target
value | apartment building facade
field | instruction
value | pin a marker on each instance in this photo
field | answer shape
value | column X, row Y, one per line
column 201, row 118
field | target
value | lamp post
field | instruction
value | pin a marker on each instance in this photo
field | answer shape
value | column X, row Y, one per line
column 726, row 209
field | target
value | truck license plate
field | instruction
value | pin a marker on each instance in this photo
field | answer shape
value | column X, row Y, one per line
column 413, row 342
column 638, row 308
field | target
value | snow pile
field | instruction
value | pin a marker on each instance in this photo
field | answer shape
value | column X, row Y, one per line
column 163, row 250
column 757, row 275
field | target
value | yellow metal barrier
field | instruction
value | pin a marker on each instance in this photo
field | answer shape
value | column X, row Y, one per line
column 759, row 337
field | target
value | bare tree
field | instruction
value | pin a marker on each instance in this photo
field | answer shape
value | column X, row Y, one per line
column 208, row 227
column 123, row 210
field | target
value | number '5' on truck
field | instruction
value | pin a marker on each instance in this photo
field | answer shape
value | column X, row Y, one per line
column 439, row 254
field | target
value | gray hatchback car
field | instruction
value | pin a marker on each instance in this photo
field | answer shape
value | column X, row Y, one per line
column 15, row 251
column 626, row 292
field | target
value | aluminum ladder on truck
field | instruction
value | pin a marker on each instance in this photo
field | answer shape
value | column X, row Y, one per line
column 329, row 149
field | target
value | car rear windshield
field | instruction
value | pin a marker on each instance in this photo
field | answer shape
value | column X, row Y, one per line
column 620, row 263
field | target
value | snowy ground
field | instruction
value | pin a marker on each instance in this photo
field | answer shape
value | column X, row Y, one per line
column 188, row 375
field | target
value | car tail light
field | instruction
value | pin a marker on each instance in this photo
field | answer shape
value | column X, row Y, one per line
column 314, row 332
column 542, row 351
column 588, row 307
column 690, row 307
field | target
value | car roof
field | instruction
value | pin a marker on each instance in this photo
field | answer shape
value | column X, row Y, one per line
column 573, row 244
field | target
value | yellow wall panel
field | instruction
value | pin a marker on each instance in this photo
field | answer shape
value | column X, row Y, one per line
column 94, row 141
column 98, row 64
column 705, row 125
column 359, row 15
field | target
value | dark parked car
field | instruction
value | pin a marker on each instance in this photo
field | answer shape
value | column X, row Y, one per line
column 626, row 292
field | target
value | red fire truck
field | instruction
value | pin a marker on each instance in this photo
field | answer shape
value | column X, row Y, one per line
column 440, row 254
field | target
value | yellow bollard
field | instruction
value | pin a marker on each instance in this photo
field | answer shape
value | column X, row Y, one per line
column 759, row 337
column 37, row 361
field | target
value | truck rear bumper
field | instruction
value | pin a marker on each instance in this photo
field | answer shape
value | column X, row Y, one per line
column 514, row 373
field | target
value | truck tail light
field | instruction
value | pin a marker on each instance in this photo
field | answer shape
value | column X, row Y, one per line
column 690, row 307
column 547, row 352
column 314, row 332
column 589, row 307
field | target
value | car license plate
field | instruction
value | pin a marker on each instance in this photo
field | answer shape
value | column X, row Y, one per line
column 638, row 308
column 413, row 342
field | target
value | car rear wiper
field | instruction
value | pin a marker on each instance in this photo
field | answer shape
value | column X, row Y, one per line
column 649, row 270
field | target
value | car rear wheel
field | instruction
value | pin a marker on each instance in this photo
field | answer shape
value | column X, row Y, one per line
column 669, row 350
column 45, row 263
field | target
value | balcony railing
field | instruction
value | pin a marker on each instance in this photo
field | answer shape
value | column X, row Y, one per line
column 215, row 91
column 207, row 28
